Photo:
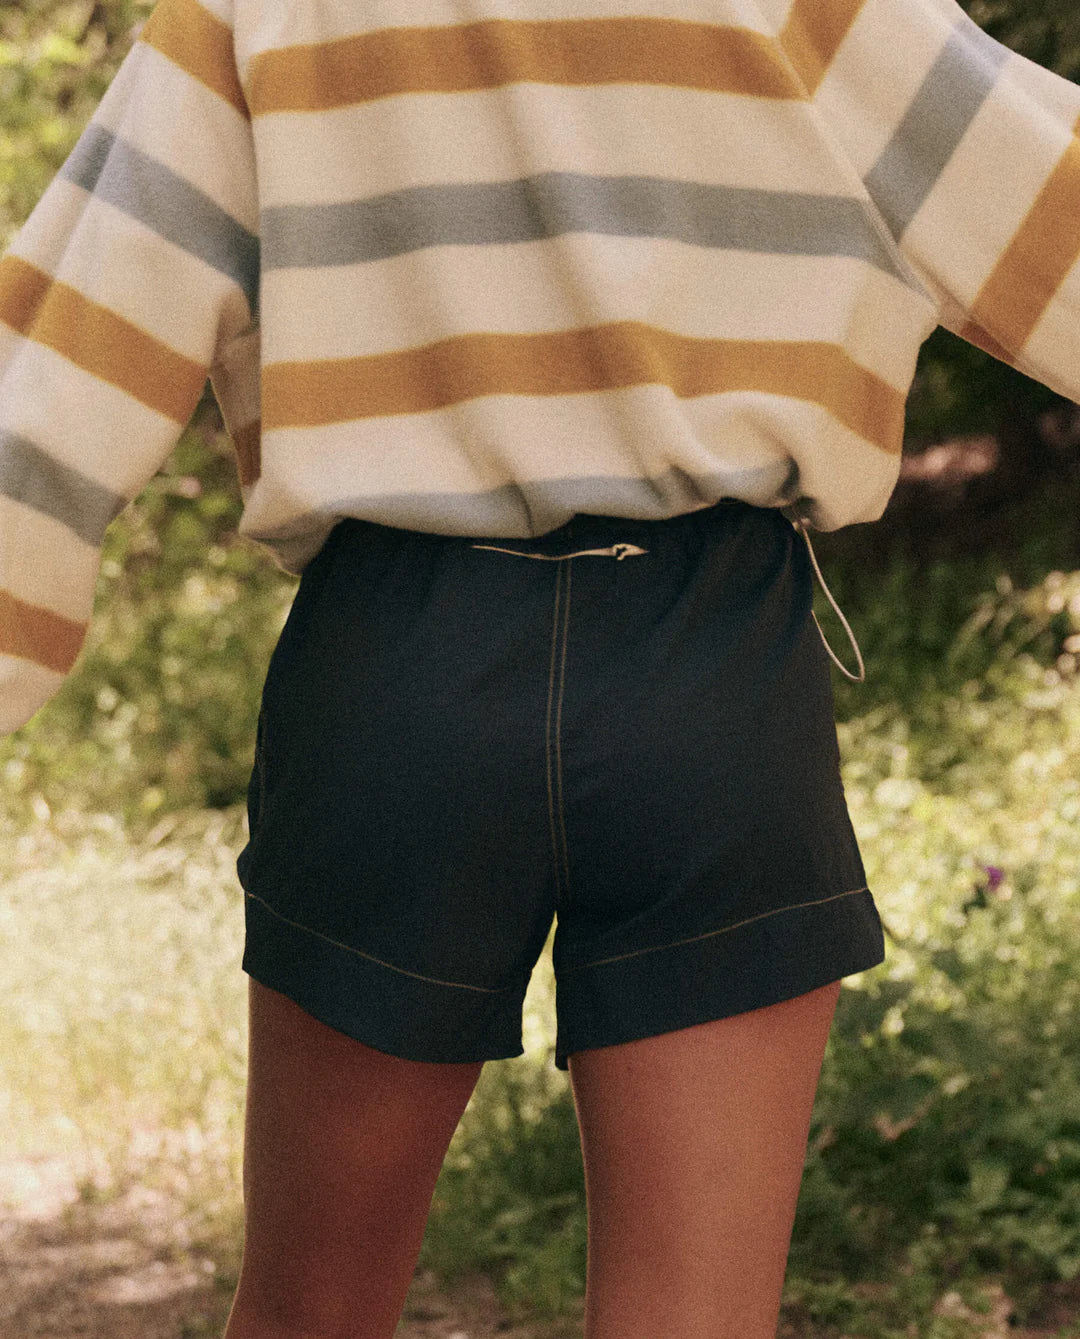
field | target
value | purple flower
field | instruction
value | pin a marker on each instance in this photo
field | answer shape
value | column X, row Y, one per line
column 995, row 873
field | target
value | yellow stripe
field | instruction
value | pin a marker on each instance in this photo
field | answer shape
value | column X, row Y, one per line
column 99, row 341
column 246, row 443
column 572, row 362
column 460, row 57
column 813, row 33
column 200, row 43
column 40, row 635
column 982, row 339
column 1032, row 267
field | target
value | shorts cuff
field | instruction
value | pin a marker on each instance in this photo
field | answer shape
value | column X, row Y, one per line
column 765, row 961
column 393, row 1010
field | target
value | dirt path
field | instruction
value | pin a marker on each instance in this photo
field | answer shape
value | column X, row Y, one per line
column 76, row 1270
column 71, row 1269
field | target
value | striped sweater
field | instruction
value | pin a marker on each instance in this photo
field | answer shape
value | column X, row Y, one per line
column 471, row 266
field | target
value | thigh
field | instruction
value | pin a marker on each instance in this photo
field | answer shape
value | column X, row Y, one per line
column 694, row 1144
column 343, row 1145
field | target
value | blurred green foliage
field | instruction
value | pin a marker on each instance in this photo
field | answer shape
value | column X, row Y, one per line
column 57, row 57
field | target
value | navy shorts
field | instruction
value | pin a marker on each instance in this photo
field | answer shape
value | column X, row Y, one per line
column 625, row 727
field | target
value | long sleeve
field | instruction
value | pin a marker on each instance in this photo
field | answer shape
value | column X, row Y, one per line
column 134, row 278
column 969, row 152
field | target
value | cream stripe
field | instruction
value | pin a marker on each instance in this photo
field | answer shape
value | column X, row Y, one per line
column 200, row 43
column 704, row 293
column 210, row 146
column 24, row 686
column 841, row 473
column 557, row 439
column 176, row 289
column 300, row 25
column 120, row 442
column 23, row 529
column 1043, row 94
column 865, row 91
column 941, row 233
column 612, row 130
column 567, row 456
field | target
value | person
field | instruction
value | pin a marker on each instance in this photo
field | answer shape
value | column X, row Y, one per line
column 541, row 332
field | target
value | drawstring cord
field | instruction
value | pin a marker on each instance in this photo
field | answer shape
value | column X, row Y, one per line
column 857, row 678
column 619, row 551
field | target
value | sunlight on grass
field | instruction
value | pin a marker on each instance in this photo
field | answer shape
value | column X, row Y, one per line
column 123, row 1026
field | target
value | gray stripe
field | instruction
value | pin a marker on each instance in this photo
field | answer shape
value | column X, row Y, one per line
column 526, row 210
column 954, row 89
column 129, row 179
column 31, row 476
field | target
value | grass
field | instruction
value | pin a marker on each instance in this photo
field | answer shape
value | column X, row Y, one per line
column 123, row 1026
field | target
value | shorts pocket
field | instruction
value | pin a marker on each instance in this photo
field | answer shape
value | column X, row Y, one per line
column 256, row 796
column 307, row 602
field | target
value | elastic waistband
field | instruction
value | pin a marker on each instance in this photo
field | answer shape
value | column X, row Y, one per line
column 622, row 537
column 589, row 533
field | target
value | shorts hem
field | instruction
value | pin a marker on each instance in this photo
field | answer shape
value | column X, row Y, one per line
column 764, row 961
column 397, row 1012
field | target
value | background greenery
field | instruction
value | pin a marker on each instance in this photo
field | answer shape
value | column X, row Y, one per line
column 945, row 1147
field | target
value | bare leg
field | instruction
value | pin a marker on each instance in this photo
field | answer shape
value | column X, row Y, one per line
column 343, row 1146
column 694, row 1144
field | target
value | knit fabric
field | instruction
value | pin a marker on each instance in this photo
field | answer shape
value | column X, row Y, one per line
column 472, row 266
